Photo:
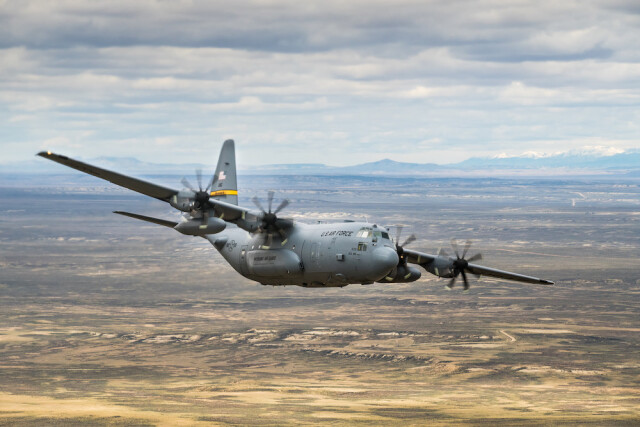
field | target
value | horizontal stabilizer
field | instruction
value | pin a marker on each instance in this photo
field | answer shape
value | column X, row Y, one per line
column 170, row 224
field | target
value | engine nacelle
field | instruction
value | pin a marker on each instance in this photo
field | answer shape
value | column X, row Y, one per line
column 195, row 227
column 441, row 267
column 250, row 222
column 402, row 274
column 182, row 201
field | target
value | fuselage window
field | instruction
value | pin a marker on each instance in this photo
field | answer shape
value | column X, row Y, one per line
column 385, row 235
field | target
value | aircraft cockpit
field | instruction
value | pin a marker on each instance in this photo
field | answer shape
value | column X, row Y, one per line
column 373, row 234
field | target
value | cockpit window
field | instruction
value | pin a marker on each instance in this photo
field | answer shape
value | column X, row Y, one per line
column 364, row 233
column 382, row 234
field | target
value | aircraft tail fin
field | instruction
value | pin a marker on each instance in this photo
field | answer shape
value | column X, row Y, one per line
column 225, row 183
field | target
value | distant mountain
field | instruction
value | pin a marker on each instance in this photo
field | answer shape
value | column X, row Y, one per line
column 381, row 167
column 566, row 163
column 628, row 161
column 580, row 163
column 391, row 167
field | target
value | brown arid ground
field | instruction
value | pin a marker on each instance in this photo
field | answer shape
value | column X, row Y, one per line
column 107, row 321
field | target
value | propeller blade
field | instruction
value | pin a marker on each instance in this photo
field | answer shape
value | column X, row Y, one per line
column 270, row 198
column 283, row 236
column 256, row 202
column 442, row 252
column 187, row 184
column 410, row 239
column 199, row 178
column 466, row 248
column 210, row 185
column 476, row 257
column 454, row 245
column 451, row 283
column 399, row 233
column 283, row 205
column 464, row 279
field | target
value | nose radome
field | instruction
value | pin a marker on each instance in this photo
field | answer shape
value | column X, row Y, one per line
column 385, row 259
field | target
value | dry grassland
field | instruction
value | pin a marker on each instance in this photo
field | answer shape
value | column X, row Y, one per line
column 105, row 321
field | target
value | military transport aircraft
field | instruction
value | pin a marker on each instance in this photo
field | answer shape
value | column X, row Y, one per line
column 273, row 250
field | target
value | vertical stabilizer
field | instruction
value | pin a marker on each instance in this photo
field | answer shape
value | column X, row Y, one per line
column 225, row 184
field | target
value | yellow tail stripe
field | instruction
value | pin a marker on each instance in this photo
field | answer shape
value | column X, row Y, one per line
column 224, row 193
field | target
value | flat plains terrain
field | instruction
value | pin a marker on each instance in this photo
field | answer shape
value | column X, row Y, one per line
column 105, row 320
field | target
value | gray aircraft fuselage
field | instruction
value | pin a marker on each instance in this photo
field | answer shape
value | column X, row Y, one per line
column 312, row 255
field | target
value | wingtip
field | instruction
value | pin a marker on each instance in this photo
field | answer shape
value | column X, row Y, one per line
column 44, row 153
column 546, row 282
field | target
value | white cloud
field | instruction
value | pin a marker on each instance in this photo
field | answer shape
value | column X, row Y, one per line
column 426, row 80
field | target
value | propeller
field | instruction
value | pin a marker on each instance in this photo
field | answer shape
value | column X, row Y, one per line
column 400, row 247
column 270, row 223
column 461, row 264
column 201, row 196
column 402, row 260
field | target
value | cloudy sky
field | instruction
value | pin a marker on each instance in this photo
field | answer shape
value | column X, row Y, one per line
column 336, row 82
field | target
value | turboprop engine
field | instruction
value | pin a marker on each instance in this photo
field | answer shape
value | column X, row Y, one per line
column 446, row 266
column 442, row 266
column 403, row 273
column 182, row 201
column 200, row 227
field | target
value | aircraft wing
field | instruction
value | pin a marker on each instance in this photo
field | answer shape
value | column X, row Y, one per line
column 135, row 184
column 493, row 272
column 227, row 211
column 424, row 260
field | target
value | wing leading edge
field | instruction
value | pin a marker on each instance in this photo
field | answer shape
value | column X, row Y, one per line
column 426, row 261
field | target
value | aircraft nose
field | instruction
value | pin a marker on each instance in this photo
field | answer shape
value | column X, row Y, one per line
column 385, row 259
